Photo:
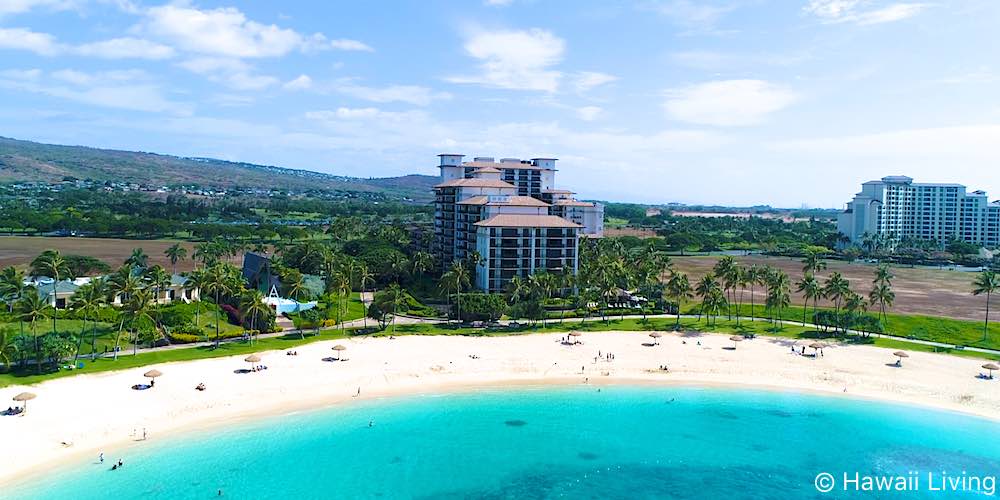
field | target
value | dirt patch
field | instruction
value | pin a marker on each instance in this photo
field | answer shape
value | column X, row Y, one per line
column 20, row 250
column 932, row 292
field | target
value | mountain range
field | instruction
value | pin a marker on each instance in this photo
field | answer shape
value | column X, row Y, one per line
column 26, row 161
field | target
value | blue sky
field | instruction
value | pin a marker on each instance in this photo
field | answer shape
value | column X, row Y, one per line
column 735, row 102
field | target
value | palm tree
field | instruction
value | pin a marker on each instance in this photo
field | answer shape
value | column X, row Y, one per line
column 755, row 276
column 88, row 299
column 365, row 277
column 8, row 347
column 704, row 290
column 714, row 303
column 136, row 311
column 813, row 263
column 778, row 296
column 810, row 289
column 52, row 264
column 422, row 262
column 397, row 297
column 138, row 259
column 196, row 280
column 988, row 282
column 252, row 304
column 455, row 279
column 725, row 270
column 217, row 283
column 678, row 289
column 175, row 253
column 157, row 278
column 32, row 308
column 837, row 289
column 11, row 285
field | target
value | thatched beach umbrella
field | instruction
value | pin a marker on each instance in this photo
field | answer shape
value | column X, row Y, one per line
column 991, row 367
column 339, row 348
column 252, row 359
column 817, row 346
column 151, row 375
column 655, row 336
column 736, row 339
column 575, row 334
column 900, row 355
column 24, row 397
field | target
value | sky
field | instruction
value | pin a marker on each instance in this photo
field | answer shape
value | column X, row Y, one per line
column 732, row 102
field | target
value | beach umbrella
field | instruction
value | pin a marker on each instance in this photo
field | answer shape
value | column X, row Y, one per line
column 817, row 346
column 339, row 348
column 900, row 355
column 24, row 397
column 575, row 334
column 252, row 359
column 655, row 336
column 991, row 367
column 152, row 374
column 735, row 339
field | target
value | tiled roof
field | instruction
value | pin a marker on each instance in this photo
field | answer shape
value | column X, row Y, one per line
column 512, row 220
column 488, row 170
column 475, row 200
column 489, row 183
column 573, row 203
column 557, row 191
column 520, row 201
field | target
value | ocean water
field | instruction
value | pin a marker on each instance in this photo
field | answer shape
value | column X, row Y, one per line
column 566, row 442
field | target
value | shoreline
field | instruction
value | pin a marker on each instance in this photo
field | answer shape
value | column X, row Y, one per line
column 75, row 409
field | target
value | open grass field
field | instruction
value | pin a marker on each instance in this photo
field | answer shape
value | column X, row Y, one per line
column 928, row 292
column 20, row 250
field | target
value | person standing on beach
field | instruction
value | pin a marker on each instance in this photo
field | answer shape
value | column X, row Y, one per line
column 101, row 457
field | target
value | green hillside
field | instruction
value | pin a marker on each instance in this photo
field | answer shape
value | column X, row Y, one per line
column 25, row 161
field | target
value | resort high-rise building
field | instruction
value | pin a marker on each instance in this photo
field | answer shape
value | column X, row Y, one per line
column 897, row 208
column 511, row 214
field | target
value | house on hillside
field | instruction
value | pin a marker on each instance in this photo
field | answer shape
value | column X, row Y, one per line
column 61, row 296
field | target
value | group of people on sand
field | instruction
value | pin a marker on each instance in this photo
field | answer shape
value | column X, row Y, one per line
column 258, row 368
column 568, row 340
column 606, row 356
column 291, row 353
column 13, row 410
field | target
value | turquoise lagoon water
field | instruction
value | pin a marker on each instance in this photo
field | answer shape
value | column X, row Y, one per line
column 570, row 442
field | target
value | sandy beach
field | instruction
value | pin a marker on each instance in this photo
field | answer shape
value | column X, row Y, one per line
column 81, row 416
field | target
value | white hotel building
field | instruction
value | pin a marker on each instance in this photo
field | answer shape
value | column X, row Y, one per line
column 511, row 214
column 898, row 208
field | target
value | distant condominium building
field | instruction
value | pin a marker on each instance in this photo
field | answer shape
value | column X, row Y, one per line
column 897, row 208
column 511, row 214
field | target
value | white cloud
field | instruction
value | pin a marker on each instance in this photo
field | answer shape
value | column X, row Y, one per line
column 22, row 6
column 412, row 94
column 126, row 48
column 859, row 11
column 348, row 44
column 99, row 78
column 964, row 141
column 233, row 73
column 692, row 14
column 519, row 60
column 111, row 89
column 589, row 113
column 368, row 113
column 222, row 31
column 227, row 32
column 118, row 48
column 727, row 102
column 586, row 80
column 302, row 82
column 24, row 39
column 21, row 74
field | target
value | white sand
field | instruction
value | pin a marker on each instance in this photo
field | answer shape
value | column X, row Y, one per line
column 99, row 412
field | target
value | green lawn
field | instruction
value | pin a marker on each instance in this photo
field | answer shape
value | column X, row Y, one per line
column 127, row 360
column 936, row 329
